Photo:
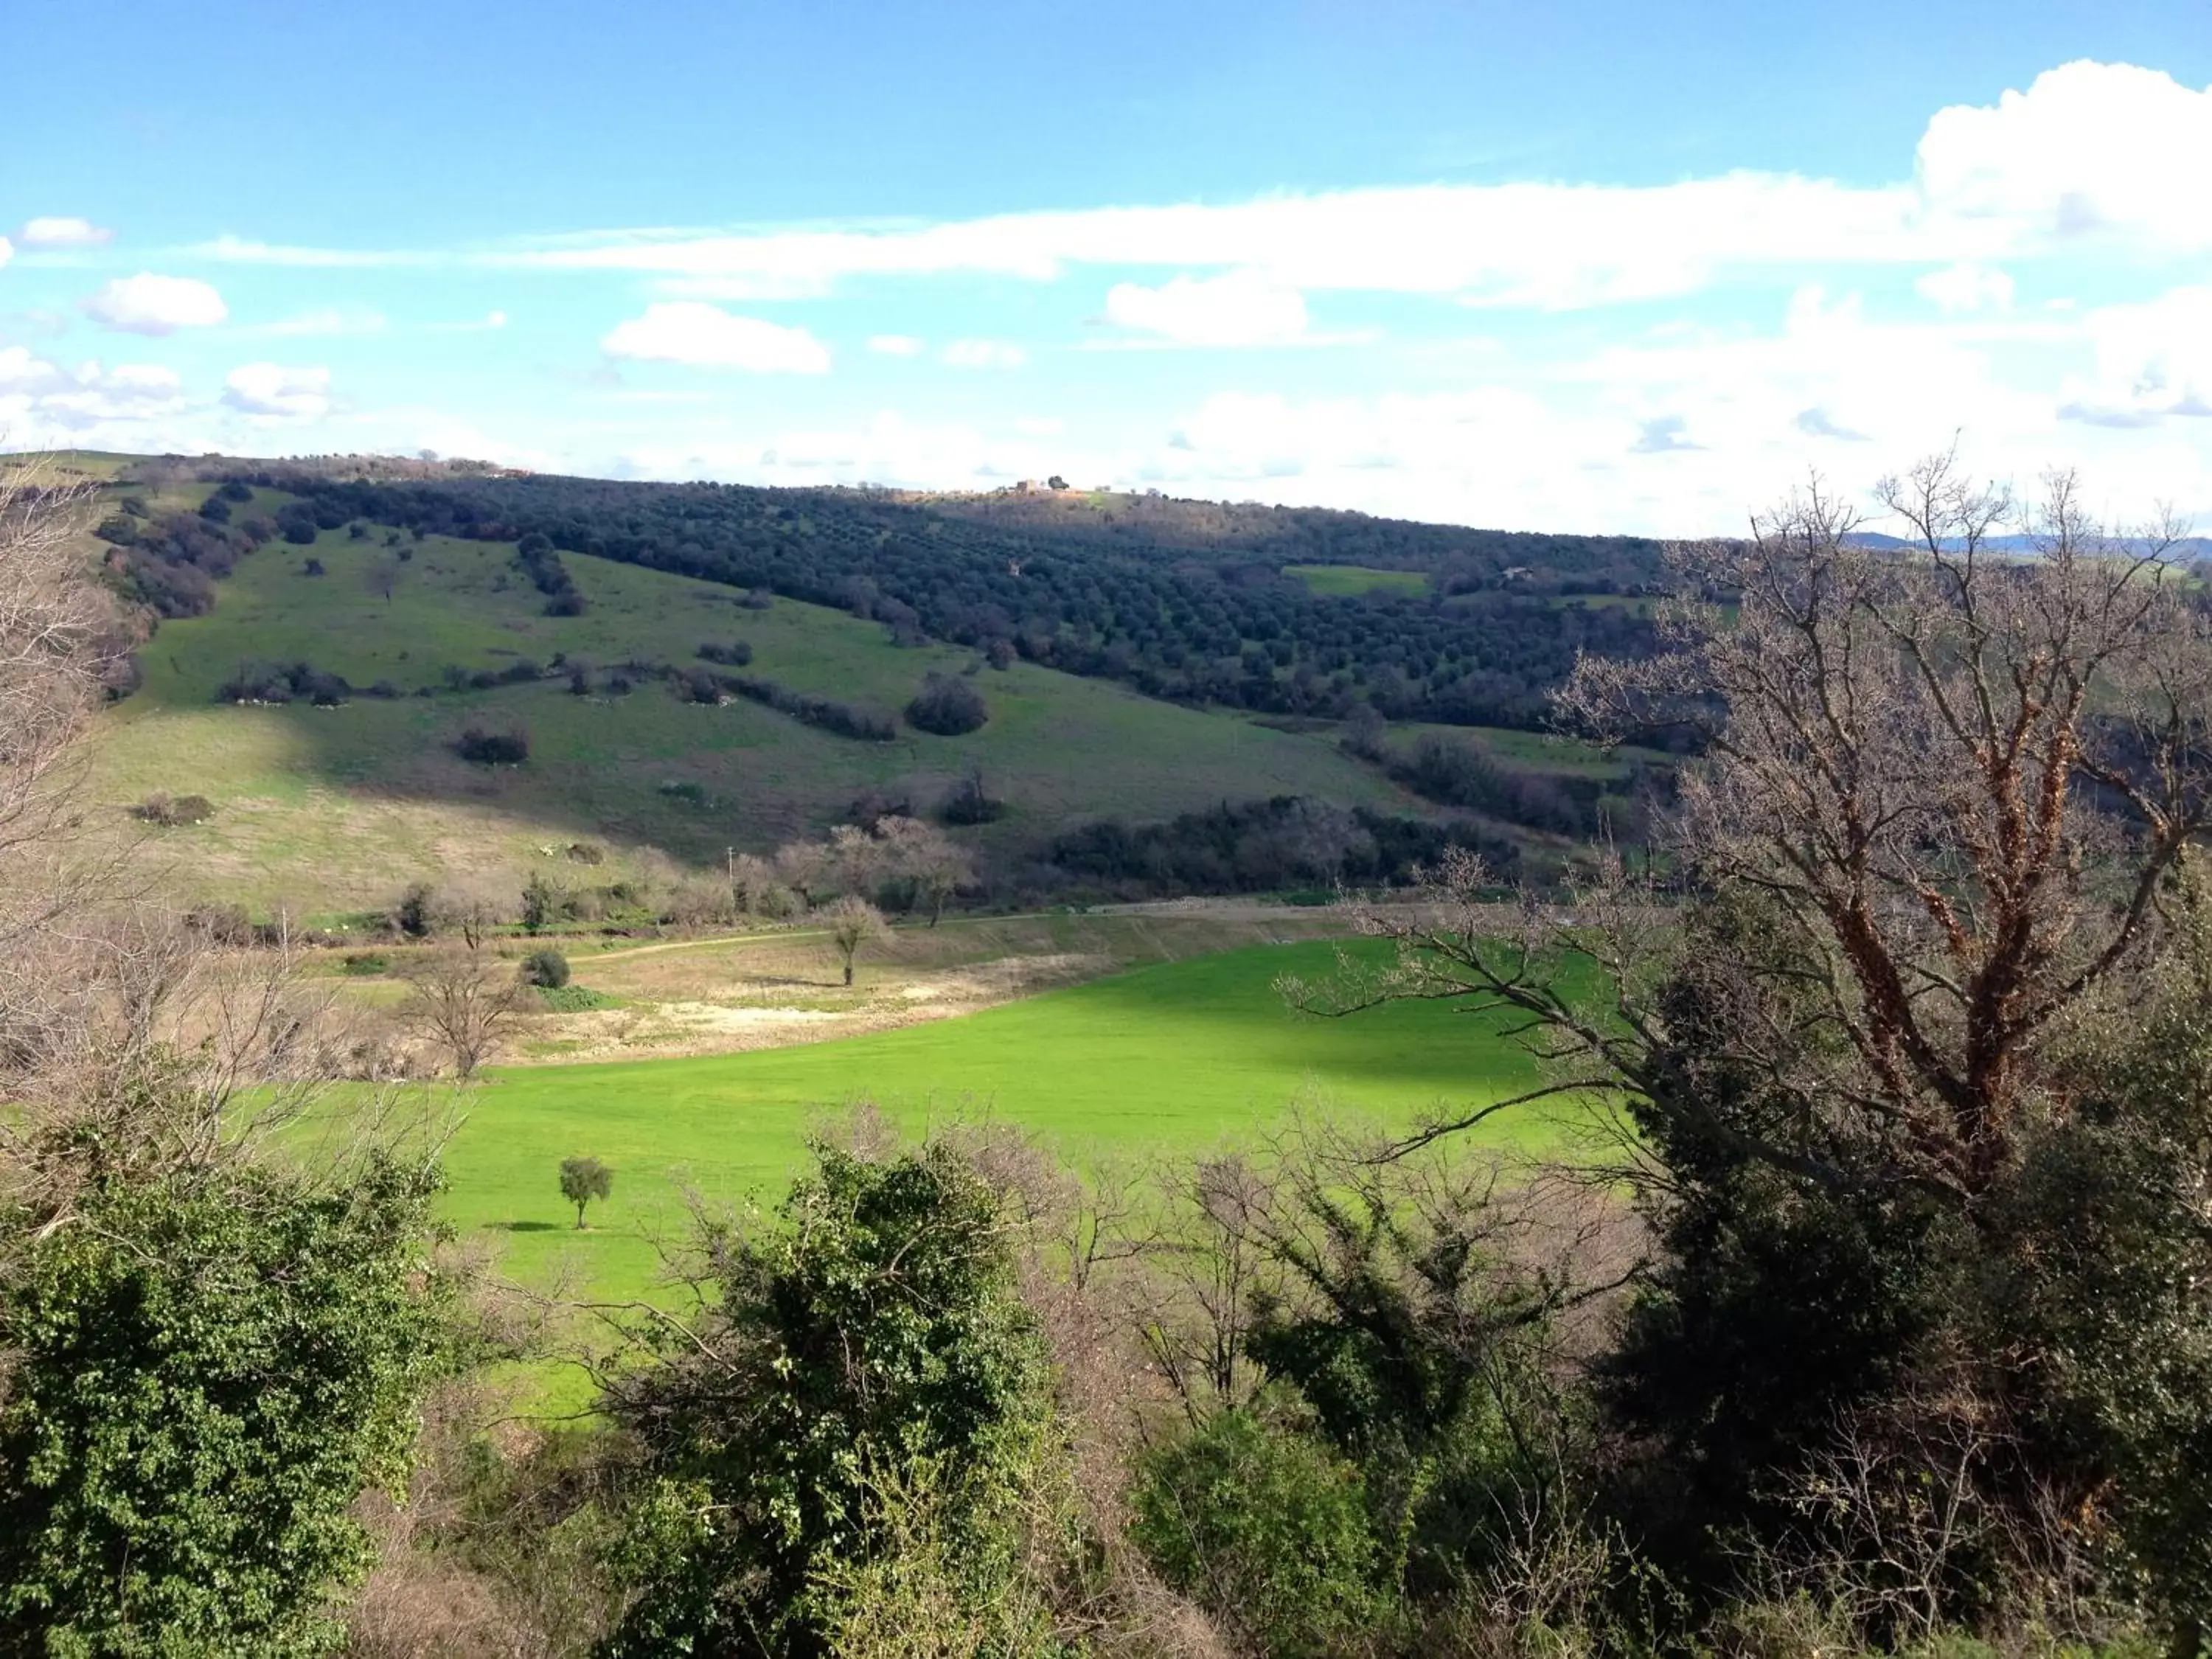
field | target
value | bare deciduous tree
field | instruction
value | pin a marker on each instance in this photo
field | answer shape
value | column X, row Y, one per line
column 923, row 855
column 463, row 998
column 854, row 922
column 1941, row 789
column 57, row 649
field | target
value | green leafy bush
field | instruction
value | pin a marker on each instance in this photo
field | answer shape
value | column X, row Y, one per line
column 207, row 1367
column 1265, row 1527
column 576, row 999
column 947, row 707
column 547, row 970
column 877, row 1333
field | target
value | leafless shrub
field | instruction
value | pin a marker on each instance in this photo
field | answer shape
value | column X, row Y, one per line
column 854, row 922
column 463, row 999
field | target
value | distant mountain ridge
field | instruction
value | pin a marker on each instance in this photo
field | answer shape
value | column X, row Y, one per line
column 2190, row 547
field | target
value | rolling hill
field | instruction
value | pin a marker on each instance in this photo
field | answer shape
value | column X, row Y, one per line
column 331, row 804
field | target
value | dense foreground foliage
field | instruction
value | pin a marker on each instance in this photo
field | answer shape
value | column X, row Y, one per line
column 1876, row 1317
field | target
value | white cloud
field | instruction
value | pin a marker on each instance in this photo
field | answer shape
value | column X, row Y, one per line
column 233, row 250
column 1239, row 308
column 692, row 332
column 39, row 400
column 490, row 322
column 1966, row 287
column 326, row 319
column 1533, row 244
column 277, row 391
column 147, row 304
column 2088, row 150
column 895, row 345
column 64, row 232
column 2105, row 153
column 1664, row 434
column 983, row 354
column 1817, row 423
column 2152, row 360
column 21, row 372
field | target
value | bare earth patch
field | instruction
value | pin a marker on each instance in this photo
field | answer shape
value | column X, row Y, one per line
column 692, row 1026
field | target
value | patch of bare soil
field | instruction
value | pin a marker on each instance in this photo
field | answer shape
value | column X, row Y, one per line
column 695, row 1027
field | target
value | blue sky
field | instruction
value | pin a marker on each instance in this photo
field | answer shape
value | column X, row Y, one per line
column 1578, row 267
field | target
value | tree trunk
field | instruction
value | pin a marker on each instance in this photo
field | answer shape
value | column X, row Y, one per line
column 848, row 972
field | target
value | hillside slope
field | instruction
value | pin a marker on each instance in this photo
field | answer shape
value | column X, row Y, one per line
column 336, row 808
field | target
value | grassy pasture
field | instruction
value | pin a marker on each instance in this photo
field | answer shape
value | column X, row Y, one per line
column 1641, row 605
column 332, row 809
column 1349, row 581
column 1174, row 1058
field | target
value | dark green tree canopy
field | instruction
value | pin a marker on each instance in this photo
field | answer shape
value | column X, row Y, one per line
column 205, row 1369
column 877, row 1325
column 584, row 1179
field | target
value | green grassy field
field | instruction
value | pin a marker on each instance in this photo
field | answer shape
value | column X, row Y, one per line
column 334, row 808
column 1176, row 1058
column 1346, row 579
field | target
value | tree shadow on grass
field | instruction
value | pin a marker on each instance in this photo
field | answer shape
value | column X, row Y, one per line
column 528, row 1226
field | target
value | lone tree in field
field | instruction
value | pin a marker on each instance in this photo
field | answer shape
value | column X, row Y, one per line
column 947, row 705
column 854, row 922
column 582, row 1180
column 462, row 997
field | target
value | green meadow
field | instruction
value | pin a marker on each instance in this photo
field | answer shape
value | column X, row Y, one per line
column 1346, row 579
column 333, row 809
column 1174, row 1059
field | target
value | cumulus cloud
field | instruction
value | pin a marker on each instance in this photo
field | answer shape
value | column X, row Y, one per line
column 147, row 304
column 276, row 392
column 895, row 345
column 40, row 399
column 1238, row 308
column 64, row 232
column 21, row 372
column 983, row 354
column 2152, row 360
column 2088, row 150
column 1966, row 287
column 693, row 332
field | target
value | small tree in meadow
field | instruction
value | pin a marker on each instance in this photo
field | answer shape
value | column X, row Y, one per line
column 582, row 1180
column 541, row 902
column 854, row 922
